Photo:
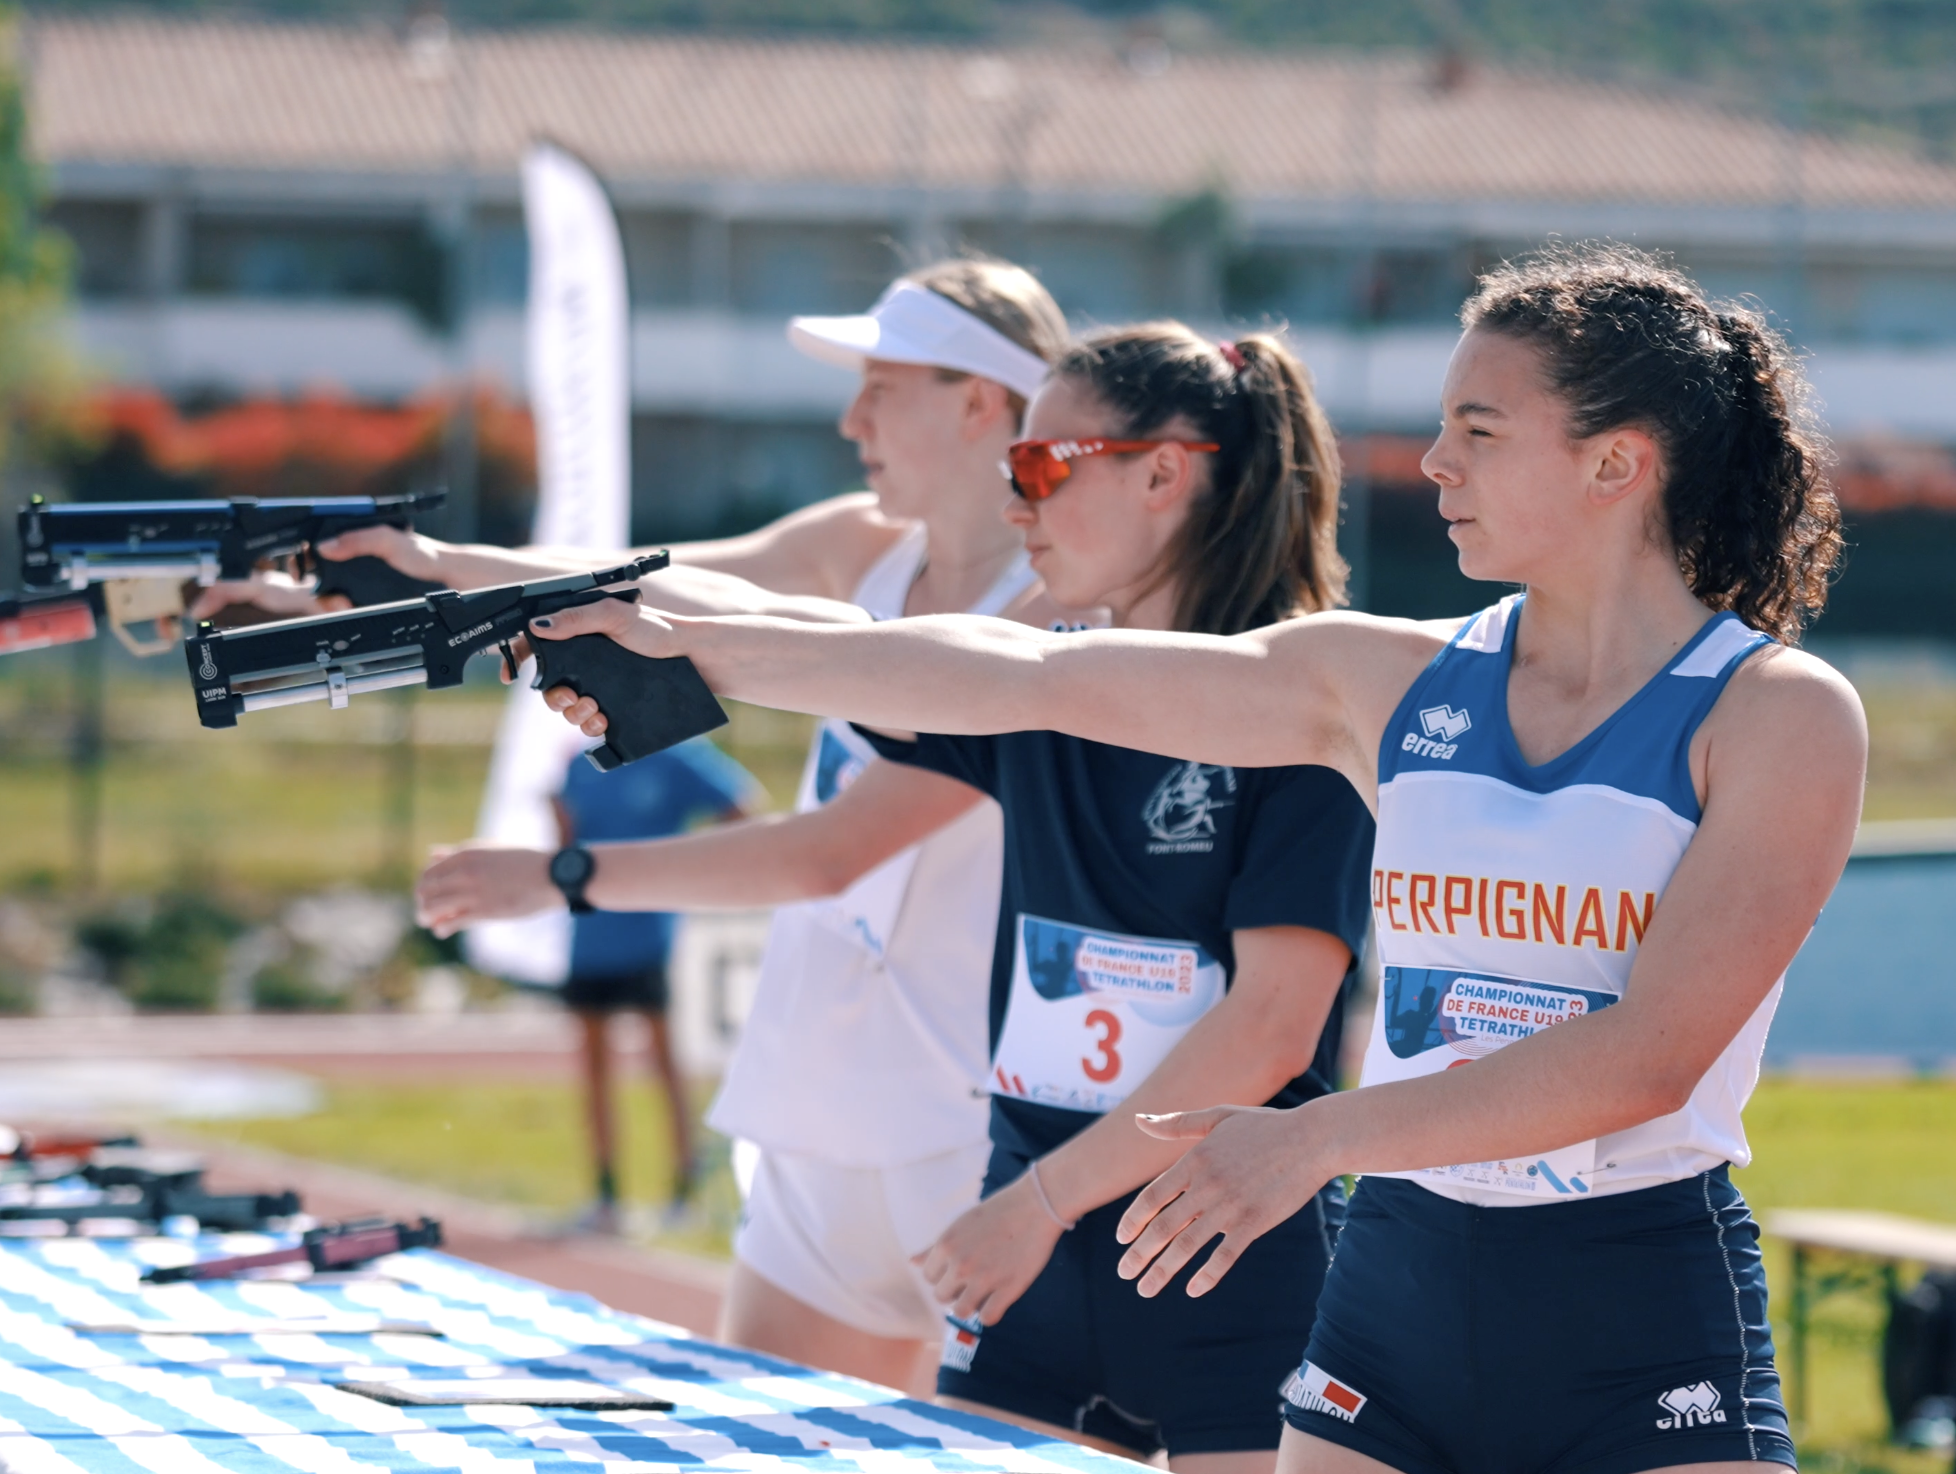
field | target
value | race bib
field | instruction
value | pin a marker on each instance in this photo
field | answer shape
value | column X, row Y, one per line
column 1433, row 1019
column 1091, row 1013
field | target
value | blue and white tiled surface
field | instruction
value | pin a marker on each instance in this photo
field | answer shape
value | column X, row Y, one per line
column 85, row 1403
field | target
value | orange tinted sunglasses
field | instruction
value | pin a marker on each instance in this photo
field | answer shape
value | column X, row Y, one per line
column 1037, row 467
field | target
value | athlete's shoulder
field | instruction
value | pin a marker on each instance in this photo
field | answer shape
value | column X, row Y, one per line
column 824, row 548
column 1782, row 681
column 1786, row 703
column 846, row 535
column 851, row 526
column 1346, row 633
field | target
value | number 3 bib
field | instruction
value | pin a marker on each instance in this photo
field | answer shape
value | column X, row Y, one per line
column 1091, row 1013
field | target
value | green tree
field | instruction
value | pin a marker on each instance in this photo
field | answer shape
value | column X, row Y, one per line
column 39, row 375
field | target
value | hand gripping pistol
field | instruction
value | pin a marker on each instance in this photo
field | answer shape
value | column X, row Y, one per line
column 141, row 553
column 649, row 704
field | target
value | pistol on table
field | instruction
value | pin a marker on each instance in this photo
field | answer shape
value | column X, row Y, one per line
column 335, row 1246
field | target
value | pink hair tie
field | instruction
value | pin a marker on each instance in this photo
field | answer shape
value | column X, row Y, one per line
column 1233, row 356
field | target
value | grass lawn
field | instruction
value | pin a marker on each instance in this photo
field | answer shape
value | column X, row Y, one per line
column 1883, row 1146
column 515, row 1142
column 1818, row 1144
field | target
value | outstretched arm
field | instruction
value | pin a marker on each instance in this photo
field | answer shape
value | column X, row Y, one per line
column 1313, row 690
column 679, row 589
column 818, row 552
column 758, row 862
column 1784, row 759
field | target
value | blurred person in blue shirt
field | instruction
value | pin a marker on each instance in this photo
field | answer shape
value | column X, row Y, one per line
column 618, row 958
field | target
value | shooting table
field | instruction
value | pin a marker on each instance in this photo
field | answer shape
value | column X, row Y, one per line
column 74, row 1402
column 1887, row 1239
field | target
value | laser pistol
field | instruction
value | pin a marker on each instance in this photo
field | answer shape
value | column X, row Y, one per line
column 140, row 553
column 80, row 543
column 649, row 704
column 335, row 1246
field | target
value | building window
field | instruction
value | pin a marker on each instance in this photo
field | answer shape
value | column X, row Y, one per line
column 1906, row 306
column 1414, row 287
column 1323, row 285
column 1288, row 285
column 323, row 260
column 659, row 259
column 1097, row 274
column 779, row 269
column 108, row 246
column 501, row 263
column 695, row 476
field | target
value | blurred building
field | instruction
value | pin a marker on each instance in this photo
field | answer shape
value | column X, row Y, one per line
column 265, row 207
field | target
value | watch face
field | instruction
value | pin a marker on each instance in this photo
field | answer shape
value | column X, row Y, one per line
column 571, row 867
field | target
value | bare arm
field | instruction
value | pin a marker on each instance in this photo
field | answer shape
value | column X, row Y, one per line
column 818, row 552
column 676, row 590
column 1263, row 1033
column 758, row 862
column 822, row 550
column 1783, row 778
column 1312, row 690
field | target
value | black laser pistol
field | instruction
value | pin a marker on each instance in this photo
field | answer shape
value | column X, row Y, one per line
column 649, row 704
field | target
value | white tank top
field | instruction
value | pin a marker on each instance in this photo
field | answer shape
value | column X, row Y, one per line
column 1509, row 897
column 866, row 1045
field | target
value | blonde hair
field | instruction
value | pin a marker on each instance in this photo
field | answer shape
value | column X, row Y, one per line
column 1006, row 298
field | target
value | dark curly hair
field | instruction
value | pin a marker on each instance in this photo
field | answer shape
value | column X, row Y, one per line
column 1628, row 340
column 1260, row 542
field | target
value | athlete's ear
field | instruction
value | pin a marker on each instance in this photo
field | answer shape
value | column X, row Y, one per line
column 1623, row 463
column 1171, row 476
column 986, row 407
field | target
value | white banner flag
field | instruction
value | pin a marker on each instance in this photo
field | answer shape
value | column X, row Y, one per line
column 580, row 395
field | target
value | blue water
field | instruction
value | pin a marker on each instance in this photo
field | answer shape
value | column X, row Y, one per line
column 1878, row 975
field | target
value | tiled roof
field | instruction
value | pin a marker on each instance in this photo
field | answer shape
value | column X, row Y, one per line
column 666, row 107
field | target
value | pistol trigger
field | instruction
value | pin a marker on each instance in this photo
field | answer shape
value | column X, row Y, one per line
column 509, row 660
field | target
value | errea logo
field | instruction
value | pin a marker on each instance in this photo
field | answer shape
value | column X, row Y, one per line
column 1443, row 726
column 1696, row 1406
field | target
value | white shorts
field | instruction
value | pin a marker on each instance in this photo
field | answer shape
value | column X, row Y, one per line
column 839, row 1239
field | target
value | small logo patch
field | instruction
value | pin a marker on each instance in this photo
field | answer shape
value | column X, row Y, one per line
column 1696, row 1406
column 208, row 670
column 1181, row 812
column 1444, row 722
column 1315, row 1390
column 960, row 1344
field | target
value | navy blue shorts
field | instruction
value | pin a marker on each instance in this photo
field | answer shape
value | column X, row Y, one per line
column 1083, row 1350
column 1601, row 1337
column 642, row 988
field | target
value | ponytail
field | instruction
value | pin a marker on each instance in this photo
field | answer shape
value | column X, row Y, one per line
column 1628, row 340
column 1260, row 542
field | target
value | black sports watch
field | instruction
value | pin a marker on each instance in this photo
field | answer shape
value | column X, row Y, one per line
column 570, row 871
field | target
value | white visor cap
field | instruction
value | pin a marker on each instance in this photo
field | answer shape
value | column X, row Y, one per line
column 913, row 324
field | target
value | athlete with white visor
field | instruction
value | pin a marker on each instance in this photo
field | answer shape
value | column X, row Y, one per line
column 1610, row 809
column 857, row 1088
